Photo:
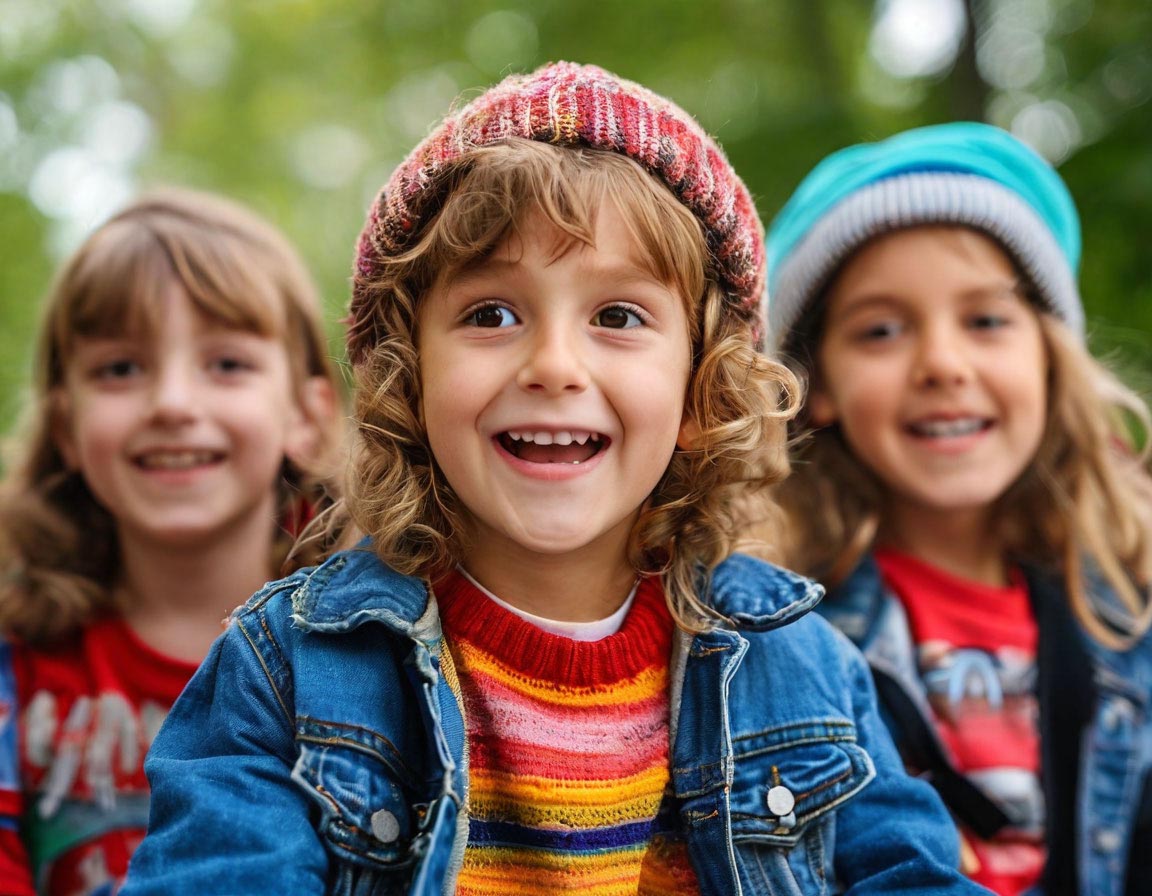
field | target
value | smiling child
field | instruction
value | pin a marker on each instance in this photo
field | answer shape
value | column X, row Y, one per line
column 545, row 671
column 967, row 483
column 184, row 412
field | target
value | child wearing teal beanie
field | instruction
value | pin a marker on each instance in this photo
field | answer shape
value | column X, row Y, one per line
column 968, row 484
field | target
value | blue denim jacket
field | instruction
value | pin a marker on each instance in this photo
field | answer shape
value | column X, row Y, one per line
column 320, row 749
column 1107, row 748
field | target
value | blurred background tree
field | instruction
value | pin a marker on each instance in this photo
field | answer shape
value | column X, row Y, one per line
column 302, row 107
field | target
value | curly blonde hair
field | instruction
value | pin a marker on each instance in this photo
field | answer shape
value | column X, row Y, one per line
column 1086, row 495
column 739, row 399
column 59, row 554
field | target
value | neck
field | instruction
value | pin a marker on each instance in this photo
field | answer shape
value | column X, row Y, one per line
column 178, row 596
column 962, row 542
column 580, row 586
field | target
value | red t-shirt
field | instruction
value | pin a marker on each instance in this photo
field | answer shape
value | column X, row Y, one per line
column 976, row 654
column 75, row 805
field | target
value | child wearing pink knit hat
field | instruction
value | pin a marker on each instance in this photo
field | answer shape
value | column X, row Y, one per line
column 545, row 670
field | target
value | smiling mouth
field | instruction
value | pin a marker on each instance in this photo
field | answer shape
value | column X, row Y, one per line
column 564, row 447
column 949, row 429
column 177, row 460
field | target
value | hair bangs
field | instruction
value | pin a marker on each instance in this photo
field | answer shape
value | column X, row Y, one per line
column 491, row 194
column 121, row 284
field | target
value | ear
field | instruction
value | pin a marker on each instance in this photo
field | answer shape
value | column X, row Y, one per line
column 316, row 410
column 821, row 407
column 60, row 427
column 688, row 438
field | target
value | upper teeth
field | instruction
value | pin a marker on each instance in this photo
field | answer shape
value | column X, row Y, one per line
column 176, row 460
column 945, row 428
column 563, row 437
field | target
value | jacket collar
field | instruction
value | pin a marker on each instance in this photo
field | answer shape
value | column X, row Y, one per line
column 354, row 587
column 854, row 606
column 759, row 596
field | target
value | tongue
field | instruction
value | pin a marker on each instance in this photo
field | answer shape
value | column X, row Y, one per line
column 555, row 454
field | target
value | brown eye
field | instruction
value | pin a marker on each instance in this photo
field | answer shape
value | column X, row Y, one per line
column 492, row 316
column 617, row 317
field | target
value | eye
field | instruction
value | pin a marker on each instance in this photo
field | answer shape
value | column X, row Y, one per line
column 988, row 321
column 491, row 316
column 878, row 331
column 117, row 369
column 618, row 317
column 229, row 364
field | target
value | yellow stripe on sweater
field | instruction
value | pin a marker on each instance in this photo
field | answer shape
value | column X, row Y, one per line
column 526, row 872
column 649, row 683
column 545, row 802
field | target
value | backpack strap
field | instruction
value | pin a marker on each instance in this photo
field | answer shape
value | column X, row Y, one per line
column 922, row 750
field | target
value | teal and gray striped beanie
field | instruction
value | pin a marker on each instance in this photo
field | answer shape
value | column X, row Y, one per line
column 961, row 173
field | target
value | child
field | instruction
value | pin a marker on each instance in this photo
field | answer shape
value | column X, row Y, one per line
column 558, row 401
column 184, row 410
column 971, row 492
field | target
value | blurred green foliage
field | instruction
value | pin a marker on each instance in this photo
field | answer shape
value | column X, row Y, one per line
column 301, row 108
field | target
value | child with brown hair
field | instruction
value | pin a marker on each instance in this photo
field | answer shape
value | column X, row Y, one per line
column 183, row 421
column 972, row 492
column 545, row 671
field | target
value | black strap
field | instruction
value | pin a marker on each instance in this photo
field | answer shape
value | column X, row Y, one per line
column 1065, row 695
column 921, row 750
column 1140, row 857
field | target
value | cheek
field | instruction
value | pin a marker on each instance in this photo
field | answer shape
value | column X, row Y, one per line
column 94, row 433
column 853, row 387
column 1034, row 404
column 652, row 407
column 1027, row 381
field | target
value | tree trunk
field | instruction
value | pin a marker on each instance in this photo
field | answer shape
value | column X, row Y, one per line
column 968, row 93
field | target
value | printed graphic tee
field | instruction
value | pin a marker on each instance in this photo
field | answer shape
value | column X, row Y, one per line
column 75, row 724
column 976, row 654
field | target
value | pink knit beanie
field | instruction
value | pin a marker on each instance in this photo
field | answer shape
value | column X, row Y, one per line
column 572, row 105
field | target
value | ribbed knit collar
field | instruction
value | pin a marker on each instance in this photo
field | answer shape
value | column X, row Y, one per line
column 644, row 641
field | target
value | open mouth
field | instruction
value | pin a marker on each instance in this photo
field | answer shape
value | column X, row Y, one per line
column 177, row 460
column 949, row 429
column 563, row 447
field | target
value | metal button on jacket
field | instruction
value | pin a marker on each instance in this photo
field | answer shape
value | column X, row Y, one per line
column 780, row 801
column 385, row 827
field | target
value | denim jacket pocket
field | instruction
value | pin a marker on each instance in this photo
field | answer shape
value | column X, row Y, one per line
column 366, row 817
column 787, row 785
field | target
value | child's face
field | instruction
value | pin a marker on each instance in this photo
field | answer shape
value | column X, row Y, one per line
column 180, row 432
column 554, row 378
column 934, row 367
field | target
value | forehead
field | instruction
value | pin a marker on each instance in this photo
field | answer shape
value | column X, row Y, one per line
column 908, row 248
column 609, row 244
column 558, row 195
column 925, row 259
column 610, row 256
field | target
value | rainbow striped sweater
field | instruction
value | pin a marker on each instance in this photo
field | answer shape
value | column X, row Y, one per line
column 568, row 751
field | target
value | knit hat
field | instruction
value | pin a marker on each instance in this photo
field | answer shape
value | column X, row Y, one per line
column 571, row 105
column 960, row 173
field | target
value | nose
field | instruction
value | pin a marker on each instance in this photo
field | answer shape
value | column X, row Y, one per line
column 554, row 362
column 942, row 358
column 174, row 392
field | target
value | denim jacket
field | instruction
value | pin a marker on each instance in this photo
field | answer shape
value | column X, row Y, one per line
column 1095, row 724
column 321, row 749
